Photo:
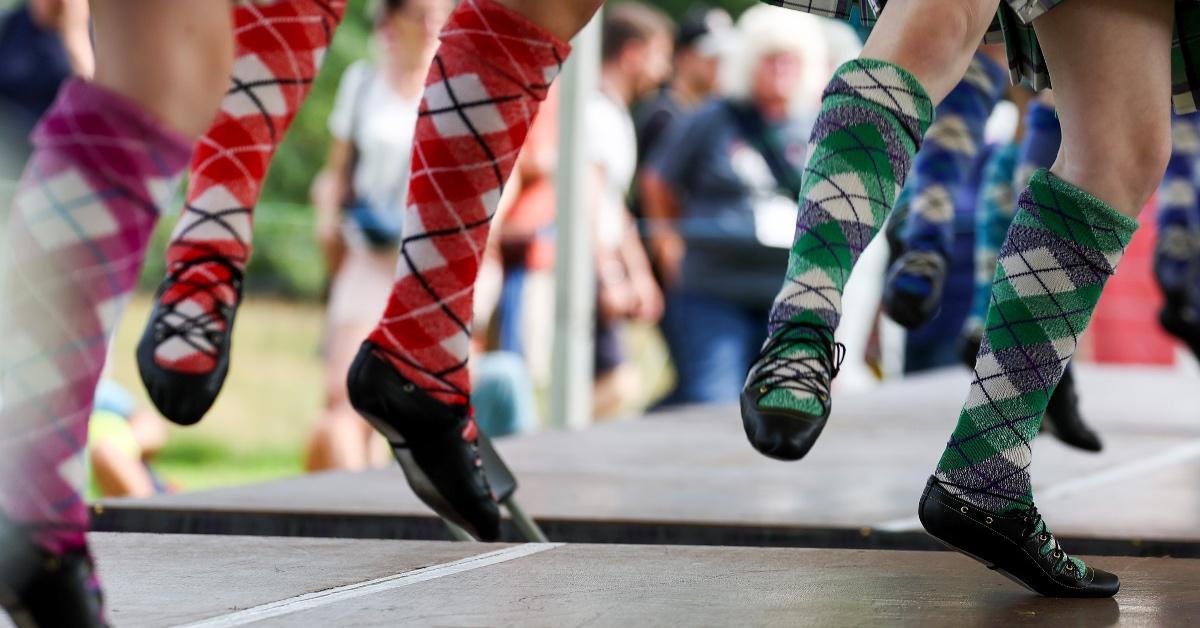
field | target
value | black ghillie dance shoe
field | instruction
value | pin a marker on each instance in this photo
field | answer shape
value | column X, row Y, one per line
column 1063, row 419
column 913, row 291
column 185, row 396
column 797, row 364
column 435, row 444
column 1017, row 544
column 41, row 590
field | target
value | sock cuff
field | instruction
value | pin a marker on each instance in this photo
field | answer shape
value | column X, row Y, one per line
column 1094, row 211
column 889, row 87
column 508, row 42
column 113, row 131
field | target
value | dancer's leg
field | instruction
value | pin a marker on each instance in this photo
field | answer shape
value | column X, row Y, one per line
column 1177, row 256
column 1067, row 238
column 183, row 356
column 940, row 168
column 495, row 64
column 107, row 156
column 874, row 114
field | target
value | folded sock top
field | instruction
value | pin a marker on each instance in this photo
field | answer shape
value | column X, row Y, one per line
column 509, row 41
column 888, row 86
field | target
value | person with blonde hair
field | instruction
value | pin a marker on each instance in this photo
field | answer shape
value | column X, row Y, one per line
column 727, row 178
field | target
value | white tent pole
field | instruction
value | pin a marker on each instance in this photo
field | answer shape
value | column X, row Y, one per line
column 571, row 378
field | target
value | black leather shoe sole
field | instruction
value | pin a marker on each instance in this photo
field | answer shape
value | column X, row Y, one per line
column 780, row 434
column 40, row 590
column 426, row 436
column 998, row 541
column 183, row 398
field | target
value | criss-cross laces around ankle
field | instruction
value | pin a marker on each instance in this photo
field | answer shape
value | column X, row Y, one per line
column 188, row 328
column 1048, row 544
column 780, row 365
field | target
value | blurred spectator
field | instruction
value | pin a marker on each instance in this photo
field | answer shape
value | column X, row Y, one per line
column 731, row 173
column 635, row 56
column 525, row 235
column 42, row 43
column 122, row 439
column 702, row 37
column 359, row 200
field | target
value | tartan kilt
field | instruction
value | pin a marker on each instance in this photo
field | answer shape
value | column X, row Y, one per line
column 1013, row 26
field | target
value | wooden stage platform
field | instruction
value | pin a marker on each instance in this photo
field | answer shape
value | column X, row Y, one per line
column 211, row 582
column 689, row 477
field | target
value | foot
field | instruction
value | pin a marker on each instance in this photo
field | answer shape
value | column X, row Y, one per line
column 1063, row 419
column 183, row 355
column 785, row 402
column 1017, row 544
column 969, row 344
column 914, row 286
column 1181, row 321
column 435, row 444
column 41, row 589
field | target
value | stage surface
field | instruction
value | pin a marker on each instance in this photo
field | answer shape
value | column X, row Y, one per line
column 689, row 477
column 217, row 581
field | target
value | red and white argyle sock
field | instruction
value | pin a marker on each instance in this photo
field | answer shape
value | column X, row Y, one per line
column 81, row 219
column 490, row 74
column 279, row 49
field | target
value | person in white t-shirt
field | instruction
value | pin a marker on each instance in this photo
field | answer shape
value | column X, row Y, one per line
column 636, row 57
column 359, row 200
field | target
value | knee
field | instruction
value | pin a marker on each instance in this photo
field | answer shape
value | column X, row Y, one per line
column 1123, row 166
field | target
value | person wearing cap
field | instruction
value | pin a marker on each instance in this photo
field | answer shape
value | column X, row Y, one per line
column 721, row 186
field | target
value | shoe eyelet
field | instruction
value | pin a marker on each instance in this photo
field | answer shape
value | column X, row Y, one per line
column 990, row 520
column 408, row 388
column 1057, row 554
column 1070, row 566
column 963, row 510
column 1043, row 537
column 762, row 390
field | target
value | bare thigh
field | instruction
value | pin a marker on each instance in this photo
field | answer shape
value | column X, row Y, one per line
column 1110, row 63
column 173, row 57
column 932, row 39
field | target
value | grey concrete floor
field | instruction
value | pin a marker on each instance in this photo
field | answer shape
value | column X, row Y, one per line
column 692, row 469
column 174, row 580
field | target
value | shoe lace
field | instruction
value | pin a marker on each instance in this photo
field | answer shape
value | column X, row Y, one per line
column 780, row 366
column 188, row 327
column 925, row 264
column 1048, row 545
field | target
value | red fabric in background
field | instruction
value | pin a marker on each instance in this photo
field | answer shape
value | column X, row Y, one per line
column 1125, row 327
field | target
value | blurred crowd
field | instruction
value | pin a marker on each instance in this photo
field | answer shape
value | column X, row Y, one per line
column 695, row 145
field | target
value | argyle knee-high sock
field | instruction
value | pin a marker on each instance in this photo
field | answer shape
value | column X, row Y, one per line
column 1179, row 211
column 491, row 73
column 1062, row 246
column 873, row 116
column 279, row 47
column 944, row 161
column 82, row 216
